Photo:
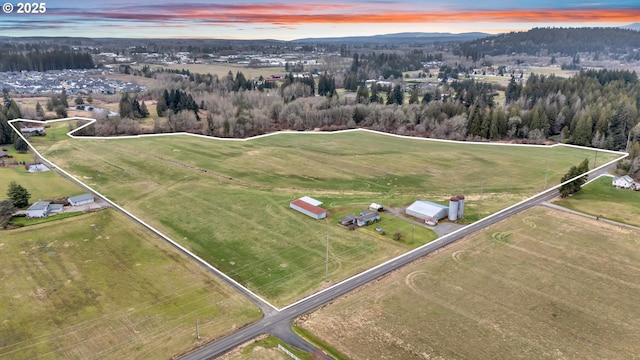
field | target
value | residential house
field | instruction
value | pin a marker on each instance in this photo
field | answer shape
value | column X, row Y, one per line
column 367, row 218
column 38, row 209
column 625, row 182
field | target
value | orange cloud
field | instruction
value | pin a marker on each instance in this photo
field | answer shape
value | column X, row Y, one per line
column 334, row 13
column 293, row 14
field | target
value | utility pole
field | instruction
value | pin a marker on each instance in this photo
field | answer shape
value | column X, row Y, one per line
column 480, row 204
column 197, row 328
column 413, row 233
column 326, row 263
column 546, row 175
column 595, row 160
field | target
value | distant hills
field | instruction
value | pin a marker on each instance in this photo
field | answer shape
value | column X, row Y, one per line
column 599, row 41
column 634, row 26
column 399, row 38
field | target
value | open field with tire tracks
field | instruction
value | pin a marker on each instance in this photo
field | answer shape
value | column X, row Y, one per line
column 100, row 286
column 542, row 284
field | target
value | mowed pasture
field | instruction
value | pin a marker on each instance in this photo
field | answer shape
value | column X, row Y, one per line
column 41, row 185
column 100, row 286
column 228, row 201
column 600, row 198
column 543, row 284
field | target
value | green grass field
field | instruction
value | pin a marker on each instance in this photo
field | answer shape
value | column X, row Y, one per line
column 543, row 284
column 229, row 201
column 100, row 286
column 599, row 198
column 42, row 185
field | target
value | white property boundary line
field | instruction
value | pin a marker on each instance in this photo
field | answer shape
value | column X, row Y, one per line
column 209, row 266
column 156, row 231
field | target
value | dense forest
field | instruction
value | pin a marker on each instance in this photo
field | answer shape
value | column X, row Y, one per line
column 557, row 41
column 44, row 61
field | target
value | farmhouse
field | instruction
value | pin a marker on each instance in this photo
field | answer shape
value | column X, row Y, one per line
column 38, row 209
column 309, row 206
column 428, row 211
column 367, row 218
column 625, row 182
column 80, row 199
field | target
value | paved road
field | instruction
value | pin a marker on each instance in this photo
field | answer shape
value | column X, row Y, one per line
column 278, row 323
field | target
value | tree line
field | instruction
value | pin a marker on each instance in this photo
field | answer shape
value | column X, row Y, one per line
column 44, row 60
column 559, row 41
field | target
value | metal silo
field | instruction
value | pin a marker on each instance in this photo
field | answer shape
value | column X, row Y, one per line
column 453, row 208
column 460, row 206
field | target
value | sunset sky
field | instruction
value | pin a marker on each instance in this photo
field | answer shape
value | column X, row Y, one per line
column 294, row 19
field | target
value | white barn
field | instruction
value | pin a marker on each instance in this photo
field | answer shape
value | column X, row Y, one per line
column 625, row 182
column 428, row 211
column 80, row 199
column 38, row 209
column 308, row 208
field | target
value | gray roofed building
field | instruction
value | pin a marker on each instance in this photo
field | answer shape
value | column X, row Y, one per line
column 38, row 209
column 367, row 217
column 427, row 210
column 347, row 219
column 80, row 199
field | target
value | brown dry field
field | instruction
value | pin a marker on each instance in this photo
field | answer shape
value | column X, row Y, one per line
column 543, row 284
column 222, row 69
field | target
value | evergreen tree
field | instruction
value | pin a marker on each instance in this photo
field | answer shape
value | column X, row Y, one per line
column 18, row 195
column 398, row 95
column 20, row 145
column 374, row 98
column 161, row 105
column 6, row 208
column 144, row 112
column 351, row 82
column 362, row 96
column 40, row 111
column 6, row 133
column 390, row 99
column 574, row 186
column 414, row 96
column 126, row 106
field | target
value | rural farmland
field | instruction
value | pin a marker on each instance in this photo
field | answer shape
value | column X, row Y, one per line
column 228, row 201
column 99, row 285
column 599, row 198
column 543, row 284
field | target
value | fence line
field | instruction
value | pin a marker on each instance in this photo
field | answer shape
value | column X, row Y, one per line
column 286, row 351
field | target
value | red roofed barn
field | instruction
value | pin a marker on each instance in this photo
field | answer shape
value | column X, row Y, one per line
column 308, row 207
